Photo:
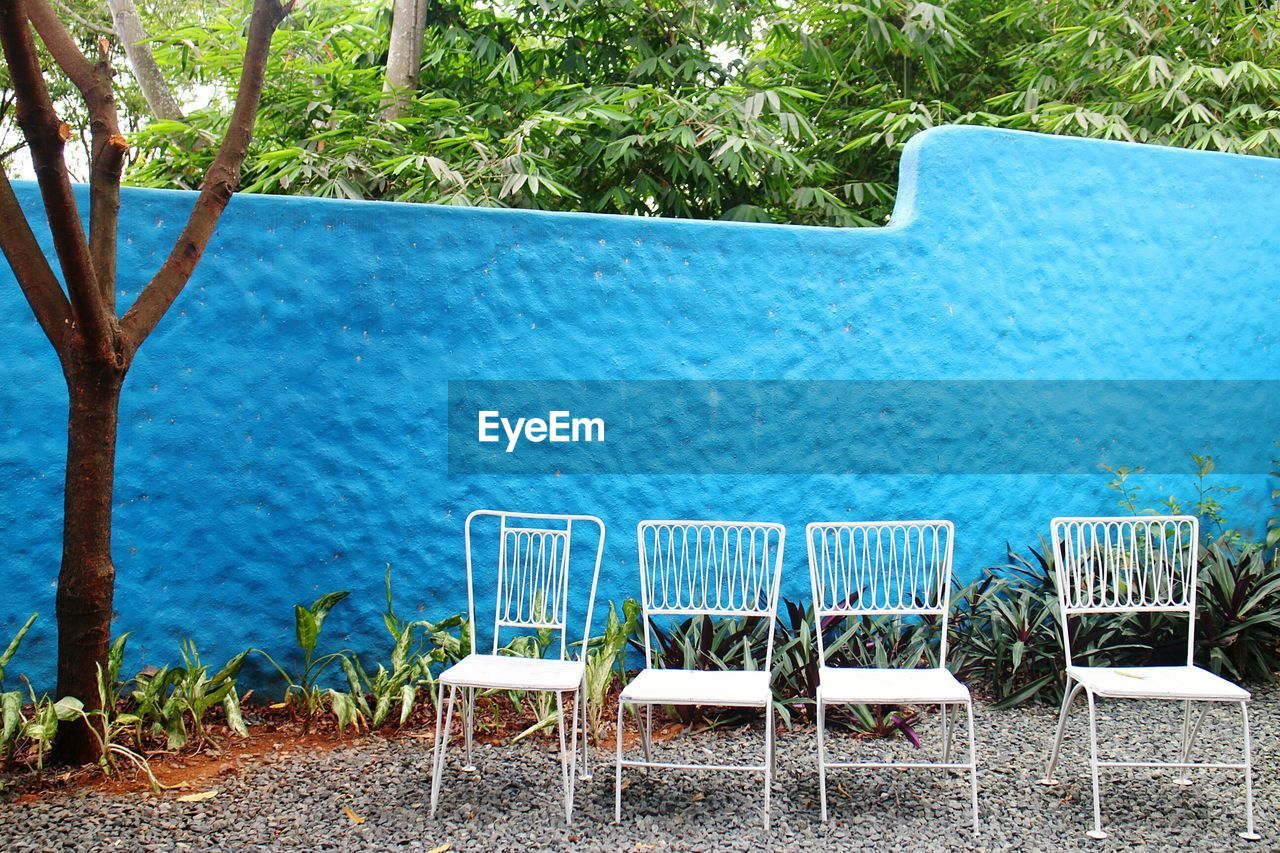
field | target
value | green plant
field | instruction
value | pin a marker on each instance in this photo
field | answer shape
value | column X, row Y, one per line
column 1207, row 505
column 607, row 658
column 1272, row 539
column 410, row 665
column 1007, row 637
column 11, row 701
column 110, row 727
column 532, row 645
column 1238, row 612
column 862, row 641
column 36, row 725
column 12, row 649
column 303, row 690
column 168, row 698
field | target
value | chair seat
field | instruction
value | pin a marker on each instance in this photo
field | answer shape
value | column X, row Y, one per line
column 514, row 673
column 889, row 686
column 698, row 687
column 1157, row 682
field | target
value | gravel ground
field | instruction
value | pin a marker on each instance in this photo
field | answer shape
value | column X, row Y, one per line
column 514, row 799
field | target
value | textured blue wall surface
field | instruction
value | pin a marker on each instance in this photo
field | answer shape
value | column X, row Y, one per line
column 283, row 433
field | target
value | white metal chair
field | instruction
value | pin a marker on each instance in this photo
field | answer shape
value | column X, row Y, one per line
column 1117, row 565
column 714, row 569
column 532, row 582
column 886, row 568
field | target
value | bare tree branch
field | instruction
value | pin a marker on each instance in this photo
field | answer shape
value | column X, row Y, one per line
column 155, row 89
column 68, row 12
column 106, row 161
column 219, row 184
column 31, row 268
column 47, row 134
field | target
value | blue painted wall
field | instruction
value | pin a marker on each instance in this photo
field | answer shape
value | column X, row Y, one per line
column 283, row 433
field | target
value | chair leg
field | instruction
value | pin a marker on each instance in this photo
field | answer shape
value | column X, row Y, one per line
column 470, row 693
column 1249, row 834
column 648, row 732
column 645, row 721
column 435, row 742
column 442, row 738
column 768, row 764
column 973, row 766
column 949, row 734
column 946, row 737
column 586, row 750
column 1068, row 697
column 1097, row 832
column 1189, row 740
column 566, row 763
column 617, row 769
column 822, row 756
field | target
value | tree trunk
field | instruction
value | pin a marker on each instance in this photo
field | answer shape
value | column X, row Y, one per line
column 87, row 579
column 404, row 55
column 155, row 89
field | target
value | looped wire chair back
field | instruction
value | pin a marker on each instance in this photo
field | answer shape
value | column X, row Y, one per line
column 531, row 577
column 1127, row 564
column 710, row 568
column 727, row 568
column 880, row 568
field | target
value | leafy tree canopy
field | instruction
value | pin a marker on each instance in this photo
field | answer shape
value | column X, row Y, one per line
column 758, row 110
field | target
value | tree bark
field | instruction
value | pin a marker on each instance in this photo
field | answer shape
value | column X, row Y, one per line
column 404, row 55
column 86, row 582
column 95, row 347
column 155, row 89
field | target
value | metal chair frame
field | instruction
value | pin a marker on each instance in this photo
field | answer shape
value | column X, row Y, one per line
column 532, row 593
column 1132, row 564
column 884, row 568
column 718, row 580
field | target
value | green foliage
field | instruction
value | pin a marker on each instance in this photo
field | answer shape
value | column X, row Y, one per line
column 168, row 699
column 1207, row 505
column 92, row 19
column 740, row 643
column 12, row 649
column 1192, row 74
column 35, row 725
column 1238, row 611
column 1272, row 539
column 607, row 658
column 1007, row 638
column 303, row 690
column 417, row 646
column 752, row 110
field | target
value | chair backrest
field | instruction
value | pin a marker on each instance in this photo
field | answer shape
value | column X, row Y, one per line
column 880, row 568
column 1127, row 564
column 710, row 568
column 532, row 575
